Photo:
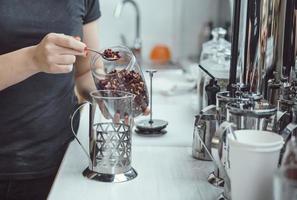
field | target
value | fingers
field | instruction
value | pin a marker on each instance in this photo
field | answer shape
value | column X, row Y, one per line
column 61, row 69
column 117, row 118
column 77, row 38
column 66, row 51
column 126, row 119
column 64, row 59
column 56, row 53
column 104, row 109
column 147, row 111
column 66, row 41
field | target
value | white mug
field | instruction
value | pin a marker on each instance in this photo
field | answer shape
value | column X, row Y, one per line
column 253, row 158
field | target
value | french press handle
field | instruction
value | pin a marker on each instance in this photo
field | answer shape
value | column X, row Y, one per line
column 72, row 129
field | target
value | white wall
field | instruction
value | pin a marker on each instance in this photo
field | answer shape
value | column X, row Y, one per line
column 176, row 23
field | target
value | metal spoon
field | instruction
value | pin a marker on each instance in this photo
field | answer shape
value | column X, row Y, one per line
column 104, row 56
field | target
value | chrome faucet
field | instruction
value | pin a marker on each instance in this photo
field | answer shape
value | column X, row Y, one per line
column 137, row 42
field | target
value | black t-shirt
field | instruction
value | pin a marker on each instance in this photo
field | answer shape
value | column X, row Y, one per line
column 35, row 113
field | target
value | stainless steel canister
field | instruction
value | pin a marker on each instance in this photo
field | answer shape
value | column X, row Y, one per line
column 223, row 98
column 204, row 129
column 258, row 115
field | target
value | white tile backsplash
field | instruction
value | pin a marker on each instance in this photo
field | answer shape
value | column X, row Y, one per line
column 176, row 23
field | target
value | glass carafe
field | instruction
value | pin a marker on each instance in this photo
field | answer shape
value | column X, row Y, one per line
column 110, row 132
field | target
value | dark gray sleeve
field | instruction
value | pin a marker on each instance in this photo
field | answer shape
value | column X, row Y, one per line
column 92, row 11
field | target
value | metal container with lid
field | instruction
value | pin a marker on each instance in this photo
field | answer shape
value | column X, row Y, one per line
column 223, row 98
column 204, row 129
column 257, row 115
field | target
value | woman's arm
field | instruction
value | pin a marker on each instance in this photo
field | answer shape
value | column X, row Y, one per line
column 54, row 54
column 84, row 80
column 16, row 67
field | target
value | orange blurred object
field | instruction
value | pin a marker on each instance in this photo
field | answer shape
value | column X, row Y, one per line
column 160, row 54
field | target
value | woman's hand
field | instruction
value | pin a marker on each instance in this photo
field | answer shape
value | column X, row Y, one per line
column 56, row 53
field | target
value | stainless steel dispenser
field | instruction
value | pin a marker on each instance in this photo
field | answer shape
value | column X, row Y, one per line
column 223, row 98
column 204, row 129
column 264, row 46
column 260, row 43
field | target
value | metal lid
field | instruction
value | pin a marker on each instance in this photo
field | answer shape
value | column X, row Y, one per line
column 259, row 109
column 207, row 116
column 225, row 96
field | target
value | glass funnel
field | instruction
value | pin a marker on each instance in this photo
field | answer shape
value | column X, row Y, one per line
column 122, row 74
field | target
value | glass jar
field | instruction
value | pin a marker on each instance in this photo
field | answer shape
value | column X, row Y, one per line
column 122, row 74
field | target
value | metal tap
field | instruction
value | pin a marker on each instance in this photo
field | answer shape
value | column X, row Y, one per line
column 137, row 42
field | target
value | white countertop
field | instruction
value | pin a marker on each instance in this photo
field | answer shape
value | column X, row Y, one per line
column 164, row 173
column 164, row 164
